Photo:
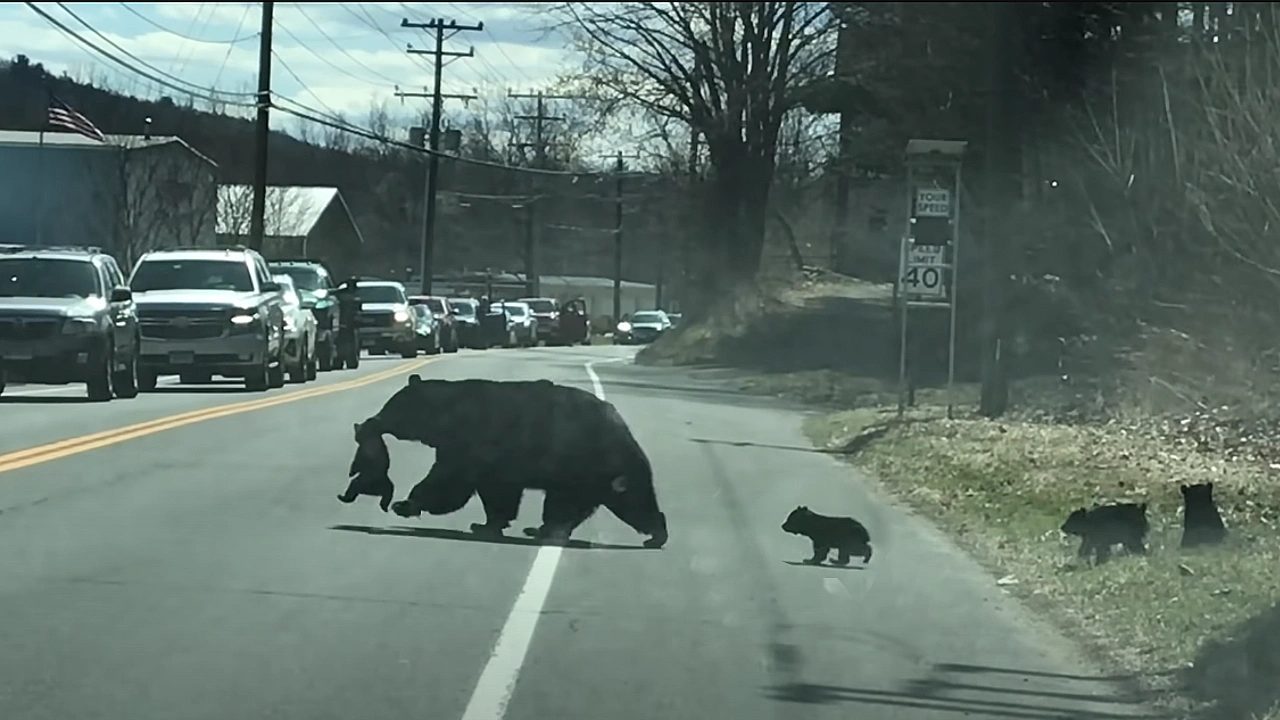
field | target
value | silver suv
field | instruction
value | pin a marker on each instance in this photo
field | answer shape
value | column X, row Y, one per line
column 208, row 311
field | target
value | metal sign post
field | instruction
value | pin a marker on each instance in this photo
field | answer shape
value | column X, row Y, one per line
column 930, row 249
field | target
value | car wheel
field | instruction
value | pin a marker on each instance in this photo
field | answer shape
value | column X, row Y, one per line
column 99, row 385
column 313, row 369
column 3, row 379
column 298, row 373
column 409, row 352
column 276, row 373
column 325, row 356
column 126, row 381
column 147, row 380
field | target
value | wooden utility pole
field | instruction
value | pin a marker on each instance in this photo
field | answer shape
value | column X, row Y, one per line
column 1001, row 195
column 262, row 132
column 438, row 54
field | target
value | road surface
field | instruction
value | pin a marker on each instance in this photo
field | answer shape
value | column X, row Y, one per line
column 189, row 561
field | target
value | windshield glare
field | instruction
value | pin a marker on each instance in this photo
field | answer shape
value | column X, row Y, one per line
column 541, row 306
column 192, row 275
column 514, row 310
column 646, row 317
column 435, row 305
column 48, row 278
column 381, row 294
column 306, row 278
column 461, row 308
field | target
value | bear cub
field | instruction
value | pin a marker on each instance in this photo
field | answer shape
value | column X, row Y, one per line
column 1106, row 525
column 844, row 534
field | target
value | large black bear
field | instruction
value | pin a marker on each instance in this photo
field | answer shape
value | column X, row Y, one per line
column 500, row 438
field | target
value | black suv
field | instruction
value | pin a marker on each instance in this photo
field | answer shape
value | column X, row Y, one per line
column 67, row 316
column 315, row 285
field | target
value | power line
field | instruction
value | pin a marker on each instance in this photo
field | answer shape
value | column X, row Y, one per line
column 237, row 39
column 142, row 62
column 126, row 65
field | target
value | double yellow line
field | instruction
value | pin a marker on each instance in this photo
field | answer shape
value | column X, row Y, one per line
column 72, row 446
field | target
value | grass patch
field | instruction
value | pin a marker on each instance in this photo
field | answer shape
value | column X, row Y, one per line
column 1187, row 621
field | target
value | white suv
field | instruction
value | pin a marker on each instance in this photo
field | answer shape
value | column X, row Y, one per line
column 208, row 311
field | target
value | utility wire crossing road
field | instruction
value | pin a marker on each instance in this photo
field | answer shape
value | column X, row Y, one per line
column 182, row 557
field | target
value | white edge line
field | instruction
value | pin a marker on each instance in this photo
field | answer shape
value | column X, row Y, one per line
column 497, row 681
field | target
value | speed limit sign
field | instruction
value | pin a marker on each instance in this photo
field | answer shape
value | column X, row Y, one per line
column 924, row 276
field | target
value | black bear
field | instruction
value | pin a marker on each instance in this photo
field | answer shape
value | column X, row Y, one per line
column 1201, row 522
column 370, row 469
column 846, row 535
column 1106, row 525
column 500, row 438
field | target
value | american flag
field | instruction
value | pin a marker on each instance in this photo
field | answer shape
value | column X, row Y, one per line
column 61, row 115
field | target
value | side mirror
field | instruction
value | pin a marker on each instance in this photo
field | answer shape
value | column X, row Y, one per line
column 121, row 294
column 271, row 287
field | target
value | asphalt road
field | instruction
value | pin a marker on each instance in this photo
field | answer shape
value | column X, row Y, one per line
column 201, row 568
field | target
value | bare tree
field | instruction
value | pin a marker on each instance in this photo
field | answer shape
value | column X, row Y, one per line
column 155, row 194
column 732, row 72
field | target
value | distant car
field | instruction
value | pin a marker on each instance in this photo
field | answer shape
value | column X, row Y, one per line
column 642, row 327
column 386, row 323
column 524, row 331
column 443, row 315
column 67, row 316
column 300, row 360
column 427, row 329
column 314, row 284
column 466, row 322
column 675, row 318
column 547, row 312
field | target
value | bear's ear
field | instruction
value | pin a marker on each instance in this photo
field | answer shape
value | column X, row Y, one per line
column 1183, row 488
column 803, row 508
column 1209, row 486
column 357, row 430
column 414, row 379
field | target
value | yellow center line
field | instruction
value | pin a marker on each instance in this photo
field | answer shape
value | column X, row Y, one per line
column 72, row 446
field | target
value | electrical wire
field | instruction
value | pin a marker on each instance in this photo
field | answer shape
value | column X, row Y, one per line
column 238, row 39
column 341, row 49
column 153, row 78
column 142, row 62
column 370, row 135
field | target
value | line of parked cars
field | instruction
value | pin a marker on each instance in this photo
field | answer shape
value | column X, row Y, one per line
column 70, row 315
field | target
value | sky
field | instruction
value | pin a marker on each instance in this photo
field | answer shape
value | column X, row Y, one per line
column 330, row 56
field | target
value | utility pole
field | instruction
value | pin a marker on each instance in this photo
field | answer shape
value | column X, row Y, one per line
column 618, row 168
column 694, row 223
column 262, row 132
column 438, row 54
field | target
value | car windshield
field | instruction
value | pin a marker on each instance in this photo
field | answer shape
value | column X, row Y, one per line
column 646, row 317
column 383, row 294
column 514, row 310
column 192, row 275
column 305, row 277
column 48, row 278
column 541, row 306
column 435, row 305
column 462, row 308
column 287, row 290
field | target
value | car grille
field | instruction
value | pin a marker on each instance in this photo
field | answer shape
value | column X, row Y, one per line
column 183, row 324
column 27, row 328
column 372, row 320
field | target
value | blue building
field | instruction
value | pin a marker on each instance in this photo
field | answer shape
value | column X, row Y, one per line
column 130, row 194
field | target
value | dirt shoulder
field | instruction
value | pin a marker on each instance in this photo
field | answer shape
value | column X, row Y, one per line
column 1201, row 628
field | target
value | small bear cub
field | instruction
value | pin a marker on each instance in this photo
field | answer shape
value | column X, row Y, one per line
column 844, row 534
column 1201, row 522
column 1106, row 525
column 370, row 469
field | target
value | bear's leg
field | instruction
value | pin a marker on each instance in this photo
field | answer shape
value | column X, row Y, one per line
column 501, row 506
column 443, row 491
column 637, row 507
column 562, row 512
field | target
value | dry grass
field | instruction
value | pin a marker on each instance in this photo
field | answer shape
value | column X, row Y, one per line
column 1003, row 488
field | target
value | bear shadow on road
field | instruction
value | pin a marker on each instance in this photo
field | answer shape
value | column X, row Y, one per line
column 952, row 688
column 825, row 565
column 44, row 400
column 433, row 533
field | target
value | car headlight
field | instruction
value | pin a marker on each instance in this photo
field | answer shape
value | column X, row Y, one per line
column 289, row 324
column 243, row 320
column 401, row 316
column 624, row 326
column 78, row 326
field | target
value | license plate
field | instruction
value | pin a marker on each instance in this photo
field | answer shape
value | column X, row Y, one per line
column 182, row 358
column 17, row 355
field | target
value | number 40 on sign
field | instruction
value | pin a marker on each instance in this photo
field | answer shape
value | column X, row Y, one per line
column 924, row 276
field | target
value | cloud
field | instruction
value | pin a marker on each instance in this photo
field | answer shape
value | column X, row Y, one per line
column 331, row 57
